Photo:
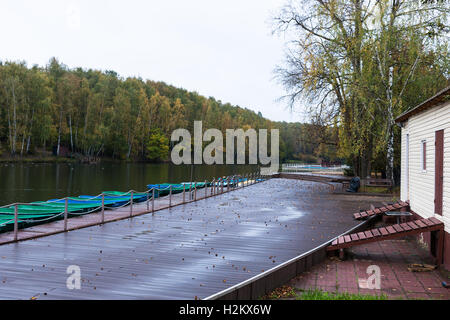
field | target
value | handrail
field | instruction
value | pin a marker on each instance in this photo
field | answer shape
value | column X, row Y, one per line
column 217, row 185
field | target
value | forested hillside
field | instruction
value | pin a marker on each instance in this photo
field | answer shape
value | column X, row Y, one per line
column 100, row 114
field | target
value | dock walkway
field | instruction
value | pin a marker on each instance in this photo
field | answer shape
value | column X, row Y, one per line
column 188, row 251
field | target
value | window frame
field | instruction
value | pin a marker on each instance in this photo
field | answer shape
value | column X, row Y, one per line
column 423, row 155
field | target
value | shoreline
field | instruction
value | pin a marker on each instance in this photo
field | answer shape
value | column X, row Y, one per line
column 54, row 159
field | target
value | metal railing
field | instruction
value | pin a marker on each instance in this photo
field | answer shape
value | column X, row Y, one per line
column 216, row 186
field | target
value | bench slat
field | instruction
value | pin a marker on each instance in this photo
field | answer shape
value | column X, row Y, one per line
column 405, row 226
column 361, row 236
column 413, row 225
column 391, row 230
column 435, row 220
column 376, row 233
column 420, row 223
column 368, row 234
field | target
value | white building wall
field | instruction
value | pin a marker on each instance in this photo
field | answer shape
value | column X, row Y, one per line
column 423, row 126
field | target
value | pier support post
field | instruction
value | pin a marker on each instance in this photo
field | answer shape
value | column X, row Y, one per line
column 195, row 192
column 213, row 187
column 153, row 199
column 131, row 203
column 170, row 196
column 148, row 198
column 66, row 204
column 16, row 221
column 184, row 193
column 103, row 208
column 206, row 190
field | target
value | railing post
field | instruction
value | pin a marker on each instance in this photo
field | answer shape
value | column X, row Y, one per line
column 16, row 221
column 148, row 198
column 103, row 207
column 170, row 196
column 195, row 192
column 190, row 191
column 221, row 185
column 66, row 204
column 153, row 199
column 213, row 186
column 184, row 193
column 206, row 190
column 131, row 203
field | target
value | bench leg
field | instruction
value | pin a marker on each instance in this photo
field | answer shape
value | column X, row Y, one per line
column 437, row 246
column 342, row 254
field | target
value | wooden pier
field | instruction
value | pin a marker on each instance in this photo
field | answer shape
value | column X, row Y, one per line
column 184, row 252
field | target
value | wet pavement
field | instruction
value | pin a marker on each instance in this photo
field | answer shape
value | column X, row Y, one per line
column 185, row 252
column 396, row 282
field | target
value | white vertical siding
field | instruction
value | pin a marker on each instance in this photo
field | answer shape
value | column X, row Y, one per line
column 421, row 127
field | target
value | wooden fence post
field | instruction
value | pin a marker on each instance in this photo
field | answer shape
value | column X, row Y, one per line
column 16, row 222
column 66, row 204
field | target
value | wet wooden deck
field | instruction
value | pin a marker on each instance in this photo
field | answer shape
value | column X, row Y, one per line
column 188, row 251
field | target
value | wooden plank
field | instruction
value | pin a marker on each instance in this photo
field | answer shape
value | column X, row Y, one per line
column 364, row 215
column 420, row 223
column 390, row 207
column 368, row 234
column 376, row 233
column 370, row 212
column 361, row 236
column 357, row 215
column 383, row 231
column 405, row 226
column 377, row 211
column 435, row 220
column 341, row 240
column 427, row 222
column 391, row 230
column 397, row 228
column 384, row 209
column 354, row 237
column 347, row 238
column 413, row 225
column 335, row 242
column 397, row 206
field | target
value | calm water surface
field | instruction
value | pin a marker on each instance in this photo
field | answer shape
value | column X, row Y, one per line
column 38, row 182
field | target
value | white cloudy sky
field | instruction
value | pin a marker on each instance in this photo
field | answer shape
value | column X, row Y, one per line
column 223, row 49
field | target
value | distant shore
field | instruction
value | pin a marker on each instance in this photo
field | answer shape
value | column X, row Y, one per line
column 55, row 159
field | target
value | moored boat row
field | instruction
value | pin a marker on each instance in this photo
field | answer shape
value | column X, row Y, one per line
column 30, row 214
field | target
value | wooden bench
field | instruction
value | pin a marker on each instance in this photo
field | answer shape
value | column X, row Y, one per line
column 369, row 213
column 372, row 182
column 433, row 225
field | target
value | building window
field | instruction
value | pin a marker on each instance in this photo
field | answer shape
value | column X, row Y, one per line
column 424, row 155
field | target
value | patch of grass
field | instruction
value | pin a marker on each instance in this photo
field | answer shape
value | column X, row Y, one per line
column 323, row 295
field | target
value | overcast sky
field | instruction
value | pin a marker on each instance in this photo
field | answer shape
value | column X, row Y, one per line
column 223, row 49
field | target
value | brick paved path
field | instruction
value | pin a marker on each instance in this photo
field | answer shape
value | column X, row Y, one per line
column 393, row 258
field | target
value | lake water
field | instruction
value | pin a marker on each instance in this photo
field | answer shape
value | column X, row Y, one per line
column 37, row 182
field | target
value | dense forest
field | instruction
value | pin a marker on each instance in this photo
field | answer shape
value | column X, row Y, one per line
column 92, row 113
